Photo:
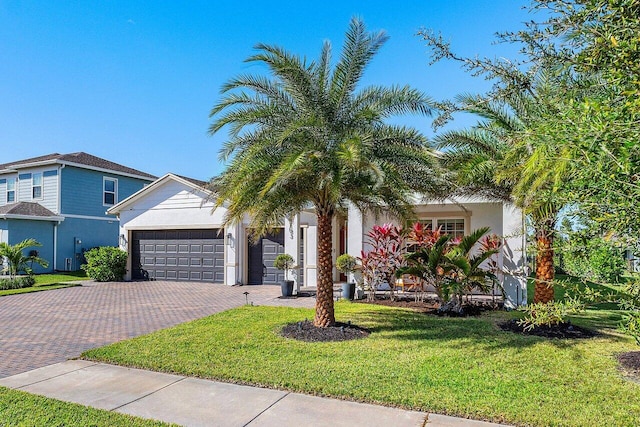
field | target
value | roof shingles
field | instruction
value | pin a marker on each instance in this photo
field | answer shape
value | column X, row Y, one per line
column 80, row 158
column 26, row 209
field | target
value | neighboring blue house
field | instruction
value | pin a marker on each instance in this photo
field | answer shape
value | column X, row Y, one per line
column 61, row 201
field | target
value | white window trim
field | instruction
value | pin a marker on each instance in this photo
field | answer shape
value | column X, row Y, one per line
column 15, row 190
column 115, row 190
column 435, row 216
column 34, row 186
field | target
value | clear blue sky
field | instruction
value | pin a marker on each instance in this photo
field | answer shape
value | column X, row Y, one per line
column 134, row 81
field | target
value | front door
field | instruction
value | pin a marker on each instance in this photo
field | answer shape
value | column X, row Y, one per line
column 261, row 257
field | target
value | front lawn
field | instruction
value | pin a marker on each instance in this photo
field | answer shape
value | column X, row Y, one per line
column 24, row 409
column 47, row 282
column 465, row 367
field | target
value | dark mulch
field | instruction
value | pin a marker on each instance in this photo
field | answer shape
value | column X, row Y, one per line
column 432, row 307
column 564, row 330
column 305, row 331
column 298, row 295
column 630, row 362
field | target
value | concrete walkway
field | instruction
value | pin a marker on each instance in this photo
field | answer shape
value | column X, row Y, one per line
column 195, row 402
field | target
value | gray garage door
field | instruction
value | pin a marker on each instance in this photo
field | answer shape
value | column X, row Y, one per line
column 195, row 255
column 261, row 257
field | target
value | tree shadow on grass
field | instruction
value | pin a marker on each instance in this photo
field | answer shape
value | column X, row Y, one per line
column 483, row 330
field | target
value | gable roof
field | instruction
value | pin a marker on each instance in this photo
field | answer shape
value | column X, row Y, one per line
column 194, row 184
column 79, row 159
column 28, row 210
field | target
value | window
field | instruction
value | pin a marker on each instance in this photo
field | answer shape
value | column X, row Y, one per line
column 110, row 191
column 36, row 186
column 454, row 227
column 11, row 190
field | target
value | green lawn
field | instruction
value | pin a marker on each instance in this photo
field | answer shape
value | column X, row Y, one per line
column 47, row 282
column 466, row 367
column 18, row 408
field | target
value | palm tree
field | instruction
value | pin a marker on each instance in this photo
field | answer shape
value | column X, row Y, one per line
column 305, row 137
column 494, row 159
column 16, row 261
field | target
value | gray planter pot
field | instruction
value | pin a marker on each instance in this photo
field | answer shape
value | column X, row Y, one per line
column 348, row 289
column 287, row 288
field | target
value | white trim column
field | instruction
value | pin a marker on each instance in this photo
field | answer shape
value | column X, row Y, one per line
column 513, row 257
column 292, row 246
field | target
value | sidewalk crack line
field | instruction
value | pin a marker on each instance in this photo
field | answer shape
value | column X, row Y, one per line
column 266, row 409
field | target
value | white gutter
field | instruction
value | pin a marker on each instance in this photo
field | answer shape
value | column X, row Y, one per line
column 32, row 217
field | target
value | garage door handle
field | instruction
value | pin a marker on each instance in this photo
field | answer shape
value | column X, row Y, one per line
column 264, row 270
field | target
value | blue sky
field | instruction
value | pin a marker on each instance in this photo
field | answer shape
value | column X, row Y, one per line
column 134, row 81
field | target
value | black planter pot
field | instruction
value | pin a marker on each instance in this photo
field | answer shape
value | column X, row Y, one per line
column 348, row 289
column 287, row 288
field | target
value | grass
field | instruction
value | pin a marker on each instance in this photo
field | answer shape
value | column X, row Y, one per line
column 47, row 282
column 464, row 367
column 18, row 408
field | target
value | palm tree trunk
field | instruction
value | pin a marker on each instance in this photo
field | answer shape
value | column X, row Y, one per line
column 324, row 298
column 545, row 271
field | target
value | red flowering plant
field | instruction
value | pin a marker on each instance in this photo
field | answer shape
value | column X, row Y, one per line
column 386, row 256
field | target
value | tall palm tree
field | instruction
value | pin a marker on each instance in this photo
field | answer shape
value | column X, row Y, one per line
column 304, row 136
column 494, row 159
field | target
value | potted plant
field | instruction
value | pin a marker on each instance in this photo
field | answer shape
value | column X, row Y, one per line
column 285, row 262
column 347, row 264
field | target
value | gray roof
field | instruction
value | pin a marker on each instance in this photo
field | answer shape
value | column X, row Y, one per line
column 80, row 158
column 26, row 209
column 199, row 183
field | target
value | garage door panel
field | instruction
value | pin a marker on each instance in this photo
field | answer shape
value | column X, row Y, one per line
column 200, row 254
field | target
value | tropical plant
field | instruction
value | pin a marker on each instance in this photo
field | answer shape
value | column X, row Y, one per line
column 284, row 262
column 454, row 267
column 304, row 137
column 105, row 264
column 387, row 243
column 426, row 264
column 17, row 262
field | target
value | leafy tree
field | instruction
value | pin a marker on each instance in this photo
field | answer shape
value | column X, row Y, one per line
column 304, row 136
column 17, row 261
column 597, row 132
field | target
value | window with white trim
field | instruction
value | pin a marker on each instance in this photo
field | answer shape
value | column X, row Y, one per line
column 454, row 227
column 109, row 191
column 36, row 186
column 11, row 190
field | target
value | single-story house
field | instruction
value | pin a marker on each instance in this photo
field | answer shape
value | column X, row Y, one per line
column 171, row 233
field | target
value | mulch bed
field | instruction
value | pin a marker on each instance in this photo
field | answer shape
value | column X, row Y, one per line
column 431, row 307
column 564, row 330
column 630, row 363
column 305, row 331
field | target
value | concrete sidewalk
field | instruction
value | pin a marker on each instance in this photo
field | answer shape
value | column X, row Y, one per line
column 196, row 402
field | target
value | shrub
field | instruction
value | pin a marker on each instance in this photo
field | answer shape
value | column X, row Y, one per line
column 284, row 262
column 593, row 258
column 105, row 264
column 549, row 314
column 346, row 263
column 17, row 282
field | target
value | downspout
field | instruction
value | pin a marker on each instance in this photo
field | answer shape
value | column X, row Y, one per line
column 55, row 245
column 55, row 227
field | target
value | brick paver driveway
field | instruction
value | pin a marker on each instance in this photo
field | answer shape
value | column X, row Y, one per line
column 41, row 328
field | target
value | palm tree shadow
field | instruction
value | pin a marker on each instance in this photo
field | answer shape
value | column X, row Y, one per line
column 484, row 330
